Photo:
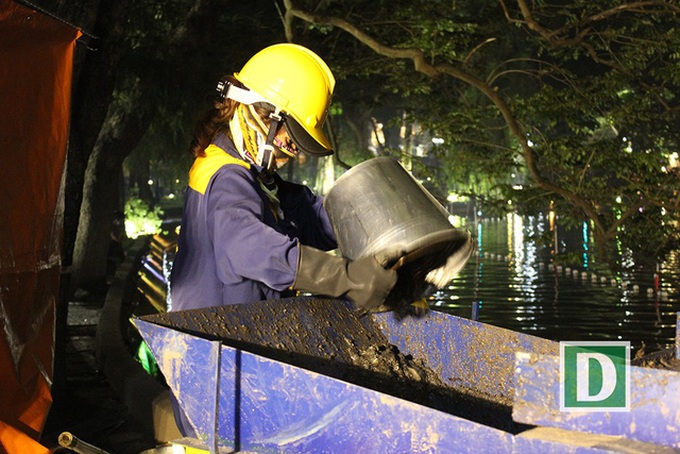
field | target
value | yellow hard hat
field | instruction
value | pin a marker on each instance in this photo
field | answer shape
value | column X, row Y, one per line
column 299, row 83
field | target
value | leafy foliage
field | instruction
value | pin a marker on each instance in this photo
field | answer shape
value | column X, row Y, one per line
column 141, row 219
column 573, row 102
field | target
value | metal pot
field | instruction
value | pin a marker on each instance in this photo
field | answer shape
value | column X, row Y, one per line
column 377, row 207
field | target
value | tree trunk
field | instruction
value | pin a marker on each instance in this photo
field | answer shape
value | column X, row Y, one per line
column 357, row 120
column 93, row 89
column 100, row 199
column 91, row 248
column 139, row 178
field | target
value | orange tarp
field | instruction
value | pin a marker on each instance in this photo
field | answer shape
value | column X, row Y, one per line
column 36, row 64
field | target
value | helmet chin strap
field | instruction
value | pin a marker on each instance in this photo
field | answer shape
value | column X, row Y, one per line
column 265, row 153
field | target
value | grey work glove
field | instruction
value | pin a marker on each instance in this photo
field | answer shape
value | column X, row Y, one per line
column 364, row 280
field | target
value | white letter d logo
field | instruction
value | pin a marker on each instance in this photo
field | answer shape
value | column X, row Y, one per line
column 583, row 377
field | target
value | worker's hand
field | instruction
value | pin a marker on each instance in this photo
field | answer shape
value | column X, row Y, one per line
column 371, row 282
column 365, row 281
column 389, row 256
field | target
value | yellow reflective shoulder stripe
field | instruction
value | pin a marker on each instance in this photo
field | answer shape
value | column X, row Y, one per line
column 205, row 167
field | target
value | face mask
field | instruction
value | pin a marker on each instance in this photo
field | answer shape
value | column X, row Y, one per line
column 290, row 150
column 281, row 158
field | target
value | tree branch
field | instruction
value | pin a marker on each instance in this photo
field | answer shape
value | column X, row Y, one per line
column 552, row 35
column 421, row 65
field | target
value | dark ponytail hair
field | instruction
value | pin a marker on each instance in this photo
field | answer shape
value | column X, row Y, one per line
column 212, row 121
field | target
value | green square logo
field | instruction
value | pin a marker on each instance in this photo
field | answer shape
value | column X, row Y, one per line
column 595, row 376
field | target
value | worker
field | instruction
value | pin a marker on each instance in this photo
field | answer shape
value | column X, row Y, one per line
column 247, row 234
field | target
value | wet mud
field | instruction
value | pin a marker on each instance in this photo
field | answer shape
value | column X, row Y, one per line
column 327, row 336
column 661, row 359
column 382, row 367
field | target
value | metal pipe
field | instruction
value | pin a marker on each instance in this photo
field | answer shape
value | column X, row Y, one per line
column 475, row 310
column 70, row 441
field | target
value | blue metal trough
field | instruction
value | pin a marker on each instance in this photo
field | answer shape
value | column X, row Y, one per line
column 295, row 375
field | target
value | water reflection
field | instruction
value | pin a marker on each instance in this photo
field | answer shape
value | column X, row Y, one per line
column 516, row 285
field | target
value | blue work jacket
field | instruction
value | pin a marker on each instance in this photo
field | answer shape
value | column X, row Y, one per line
column 234, row 246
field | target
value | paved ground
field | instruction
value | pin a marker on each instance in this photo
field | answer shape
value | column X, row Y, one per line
column 85, row 404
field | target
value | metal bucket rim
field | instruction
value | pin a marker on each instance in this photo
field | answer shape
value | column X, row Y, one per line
column 367, row 163
column 425, row 245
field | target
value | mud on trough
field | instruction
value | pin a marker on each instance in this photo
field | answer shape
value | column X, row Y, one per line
column 326, row 336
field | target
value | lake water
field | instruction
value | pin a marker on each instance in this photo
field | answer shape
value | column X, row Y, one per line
column 513, row 283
